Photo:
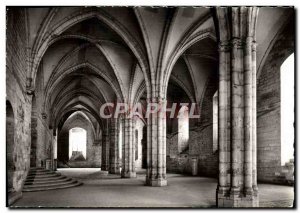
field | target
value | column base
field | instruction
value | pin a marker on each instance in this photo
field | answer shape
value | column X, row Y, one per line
column 104, row 168
column 236, row 199
column 156, row 182
column 54, row 166
column 128, row 175
column 103, row 173
column 114, row 170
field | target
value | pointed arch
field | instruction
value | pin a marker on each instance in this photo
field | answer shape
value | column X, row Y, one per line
column 79, row 16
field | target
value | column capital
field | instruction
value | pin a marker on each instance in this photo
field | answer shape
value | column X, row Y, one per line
column 237, row 43
column 156, row 100
column 224, row 46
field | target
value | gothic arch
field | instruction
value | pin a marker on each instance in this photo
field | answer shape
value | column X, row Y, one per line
column 10, row 145
column 75, row 18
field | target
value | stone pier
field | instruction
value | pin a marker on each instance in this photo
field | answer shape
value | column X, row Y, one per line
column 237, row 99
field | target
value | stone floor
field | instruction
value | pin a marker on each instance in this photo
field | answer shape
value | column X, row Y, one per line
column 100, row 190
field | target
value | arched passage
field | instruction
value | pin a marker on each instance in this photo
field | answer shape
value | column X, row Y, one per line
column 77, row 144
column 10, row 137
column 287, row 109
column 139, row 146
column 87, row 141
column 183, row 129
column 271, row 111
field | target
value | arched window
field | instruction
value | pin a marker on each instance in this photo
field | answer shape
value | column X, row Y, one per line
column 77, row 144
column 10, row 132
column 287, row 109
column 183, row 129
column 215, row 121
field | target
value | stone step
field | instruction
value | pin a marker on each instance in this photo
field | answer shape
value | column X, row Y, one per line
column 40, row 179
column 37, row 177
column 70, row 181
column 45, row 188
column 38, row 171
column 44, row 179
column 61, row 179
column 41, row 173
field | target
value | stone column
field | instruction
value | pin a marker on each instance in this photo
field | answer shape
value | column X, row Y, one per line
column 254, row 117
column 224, row 120
column 105, row 151
column 237, row 117
column 156, row 168
column 149, row 149
column 241, row 123
column 114, row 147
column 248, row 115
column 128, row 165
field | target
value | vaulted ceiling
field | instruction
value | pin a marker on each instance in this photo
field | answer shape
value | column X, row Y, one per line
column 92, row 55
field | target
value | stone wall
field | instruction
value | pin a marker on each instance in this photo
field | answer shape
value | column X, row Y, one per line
column 268, row 107
column 40, row 130
column 16, row 67
column 44, row 142
column 16, row 45
column 22, row 116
